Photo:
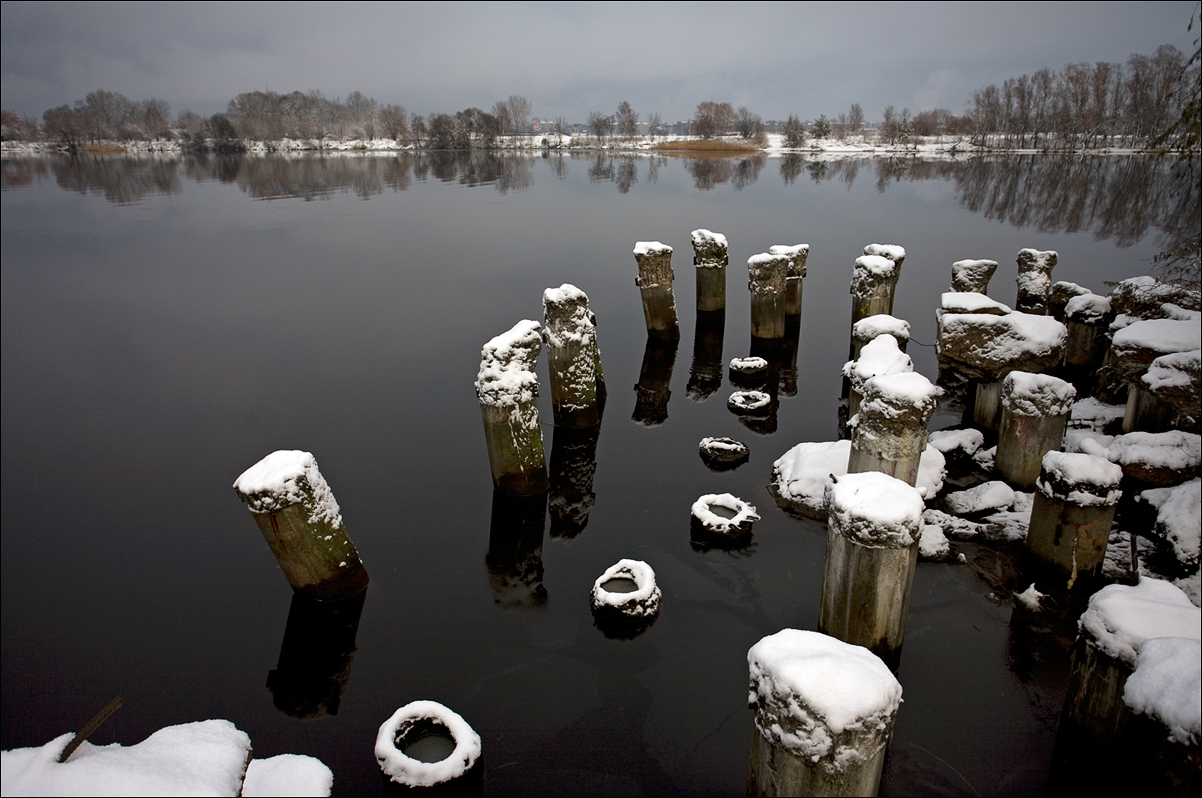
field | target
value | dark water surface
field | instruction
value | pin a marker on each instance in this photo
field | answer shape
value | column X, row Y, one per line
column 158, row 343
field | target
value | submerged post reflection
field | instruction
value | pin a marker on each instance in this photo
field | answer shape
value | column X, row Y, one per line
column 515, row 550
column 315, row 656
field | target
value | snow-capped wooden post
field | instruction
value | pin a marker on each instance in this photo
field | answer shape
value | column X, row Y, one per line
column 710, row 257
column 655, row 285
column 878, row 357
column 1087, row 318
column 767, row 276
column 824, row 715
column 874, row 280
column 873, row 530
column 301, row 521
column 572, row 357
column 1035, row 409
column 892, row 433
column 507, row 388
column 972, row 275
column 1119, row 624
column 1075, row 497
column 797, row 255
column 1034, row 280
column 869, row 328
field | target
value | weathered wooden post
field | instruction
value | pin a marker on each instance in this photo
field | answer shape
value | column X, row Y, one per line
column 1060, row 294
column 655, row 375
column 1087, row 318
column 873, row 530
column 425, row 745
column 824, row 715
column 874, row 281
column 972, row 275
column 878, row 357
column 572, row 357
column 795, row 275
column 1075, row 497
column 655, row 284
column 1034, row 280
column 892, row 433
column 301, row 521
column 705, row 374
column 315, row 656
column 1035, row 409
column 1120, row 621
column 767, row 276
column 507, row 388
column 515, row 550
column 869, row 328
column 710, row 258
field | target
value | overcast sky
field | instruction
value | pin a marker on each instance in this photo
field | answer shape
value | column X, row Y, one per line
column 567, row 58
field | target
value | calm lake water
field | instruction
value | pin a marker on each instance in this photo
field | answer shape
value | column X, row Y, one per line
column 166, row 323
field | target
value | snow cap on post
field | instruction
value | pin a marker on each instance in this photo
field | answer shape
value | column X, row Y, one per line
column 1037, row 394
column 875, row 510
column 507, row 362
column 709, row 248
column 1080, row 479
column 288, row 477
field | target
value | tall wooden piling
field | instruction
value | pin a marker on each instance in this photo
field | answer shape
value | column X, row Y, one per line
column 655, row 285
column 1087, row 318
column 1074, row 505
column 824, row 715
column 892, row 432
column 1034, row 280
column 302, row 524
column 572, row 357
column 874, row 280
column 795, row 276
column 507, row 388
column 1035, row 410
column 711, row 258
column 767, row 277
column 873, row 530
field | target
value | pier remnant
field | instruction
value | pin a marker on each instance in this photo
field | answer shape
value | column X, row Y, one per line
column 711, row 258
column 302, row 523
column 824, row 715
column 973, row 275
column 874, row 280
column 795, row 275
column 767, row 277
column 572, row 357
column 1034, row 280
column 655, row 284
column 891, row 435
column 873, row 531
column 625, row 599
column 507, row 388
column 1075, row 497
column 869, row 328
column 424, row 744
column 878, row 357
column 1035, row 409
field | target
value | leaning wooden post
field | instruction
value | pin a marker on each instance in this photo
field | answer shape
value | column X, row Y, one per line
column 797, row 255
column 1035, row 409
column 301, row 521
column 1119, row 621
column 1034, row 280
column 710, row 258
column 874, row 280
column 1073, row 511
column 824, row 715
column 655, row 284
column 767, row 276
column 507, row 388
column 873, row 530
column 571, row 357
column 892, row 433
column 972, row 275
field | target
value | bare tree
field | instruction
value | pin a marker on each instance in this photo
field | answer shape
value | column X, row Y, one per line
column 713, row 119
column 654, row 123
column 746, row 122
column 855, row 119
column 500, row 109
column 394, row 122
column 601, row 124
column 519, row 112
column 627, row 120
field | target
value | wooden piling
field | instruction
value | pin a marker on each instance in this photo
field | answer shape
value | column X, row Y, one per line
column 892, row 432
column 874, row 281
column 302, row 524
column 767, row 276
column 711, row 258
column 572, row 357
column 1035, row 410
column 1034, row 280
column 507, row 388
column 655, row 284
column 795, row 275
